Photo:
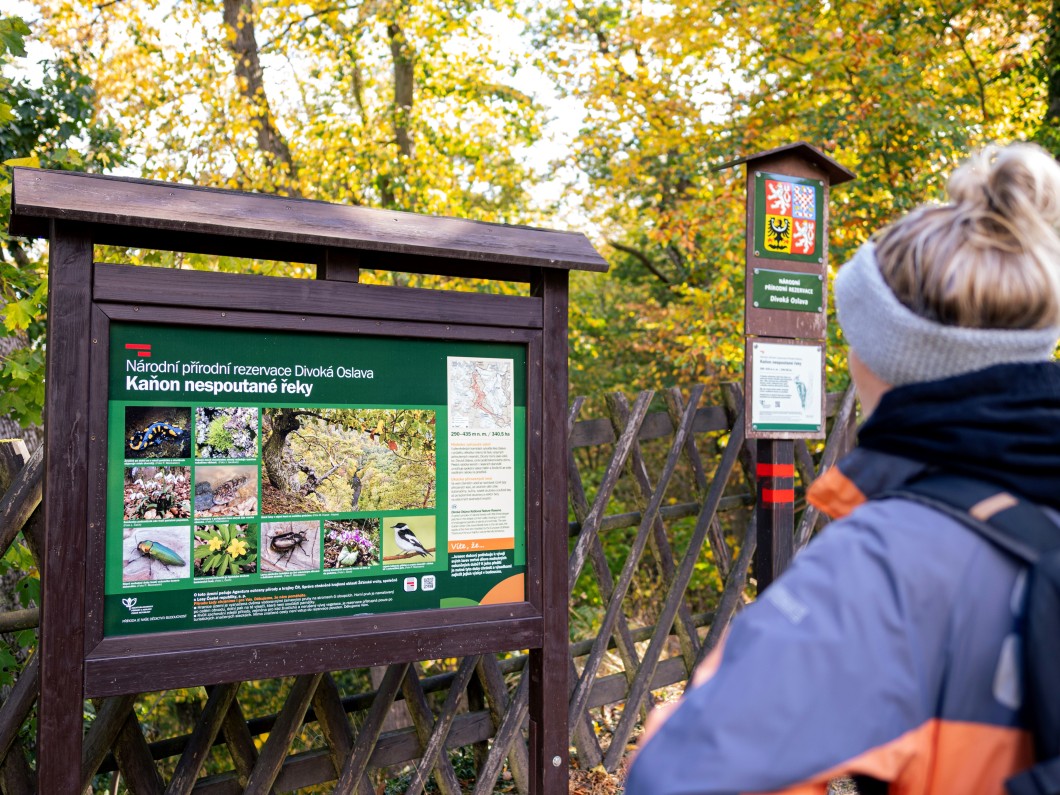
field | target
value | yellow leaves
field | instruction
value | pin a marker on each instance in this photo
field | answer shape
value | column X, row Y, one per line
column 328, row 80
column 30, row 162
column 18, row 315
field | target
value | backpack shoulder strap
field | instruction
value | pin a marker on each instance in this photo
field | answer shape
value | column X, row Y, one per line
column 1019, row 527
column 1008, row 521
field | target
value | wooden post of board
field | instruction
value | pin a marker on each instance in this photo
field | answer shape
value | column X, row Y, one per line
column 775, row 472
column 548, row 666
column 785, row 327
column 65, row 489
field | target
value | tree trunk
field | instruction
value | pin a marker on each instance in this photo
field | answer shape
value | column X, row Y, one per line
column 239, row 18
column 283, row 423
column 402, row 55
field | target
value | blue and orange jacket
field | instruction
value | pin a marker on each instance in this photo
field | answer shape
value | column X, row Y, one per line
column 887, row 650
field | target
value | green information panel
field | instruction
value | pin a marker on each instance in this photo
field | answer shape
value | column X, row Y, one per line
column 788, row 217
column 257, row 477
column 796, row 292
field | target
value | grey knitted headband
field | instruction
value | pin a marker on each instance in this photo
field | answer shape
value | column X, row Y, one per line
column 903, row 348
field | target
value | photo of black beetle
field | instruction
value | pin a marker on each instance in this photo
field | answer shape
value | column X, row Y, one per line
column 290, row 546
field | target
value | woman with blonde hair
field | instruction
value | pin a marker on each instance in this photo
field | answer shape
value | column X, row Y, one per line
column 886, row 652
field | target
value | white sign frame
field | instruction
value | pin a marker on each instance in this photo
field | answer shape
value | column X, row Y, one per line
column 784, row 389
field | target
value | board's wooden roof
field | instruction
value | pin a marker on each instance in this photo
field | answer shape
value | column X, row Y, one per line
column 180, row 217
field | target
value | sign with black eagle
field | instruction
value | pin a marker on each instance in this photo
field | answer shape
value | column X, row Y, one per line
column 788, row 217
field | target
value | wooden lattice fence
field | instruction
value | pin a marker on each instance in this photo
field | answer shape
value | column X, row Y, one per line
column 662, row 539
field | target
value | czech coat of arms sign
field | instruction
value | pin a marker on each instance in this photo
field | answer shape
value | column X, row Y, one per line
column 788, row 222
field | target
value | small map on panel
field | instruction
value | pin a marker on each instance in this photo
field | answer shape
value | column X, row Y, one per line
column 480, row 394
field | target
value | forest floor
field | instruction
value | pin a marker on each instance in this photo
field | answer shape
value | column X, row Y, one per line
column 599, row 782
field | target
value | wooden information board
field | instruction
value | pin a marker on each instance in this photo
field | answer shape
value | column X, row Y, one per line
column 251, row 477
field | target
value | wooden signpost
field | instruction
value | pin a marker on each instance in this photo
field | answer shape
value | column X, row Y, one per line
column 192, row 538
column 785, row 327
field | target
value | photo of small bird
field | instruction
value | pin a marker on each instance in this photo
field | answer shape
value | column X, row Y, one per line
column 407, row 541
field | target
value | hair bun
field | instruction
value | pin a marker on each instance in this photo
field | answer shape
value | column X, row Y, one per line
column 990, row 258
column 1020, row 183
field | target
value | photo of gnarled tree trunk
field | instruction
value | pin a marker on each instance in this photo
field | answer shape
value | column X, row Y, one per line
column 319, row 460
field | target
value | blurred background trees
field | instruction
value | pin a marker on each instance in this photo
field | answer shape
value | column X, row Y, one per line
column 603, row 115
column 895, row 91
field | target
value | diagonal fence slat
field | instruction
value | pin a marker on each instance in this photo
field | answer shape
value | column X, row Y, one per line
column 18, row 704
column 589, row 752
column 15, row 776
column 660, row 544
column 591, row 525
column 734, row 587
column 423, row 720
column 837, row 444
column 581, row 692
column 198, row 748
column 432, row 752
column 582, row 735
column 489, row 673
column 270, row 760
column 333, row 723
column 674, row 598
column 135, row 764
column 110, row 717
column 674, row 406
column 239, row 741
column 602, row 571
column 21, row 499
column 507, row 734
column 352, row 774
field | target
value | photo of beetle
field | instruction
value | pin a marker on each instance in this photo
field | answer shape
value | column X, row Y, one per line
column 290, row 546
column 156, row 553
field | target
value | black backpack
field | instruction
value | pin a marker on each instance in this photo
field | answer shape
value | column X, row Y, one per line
column 1021, row 529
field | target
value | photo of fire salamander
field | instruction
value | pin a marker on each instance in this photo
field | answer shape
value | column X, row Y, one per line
column 153, row 432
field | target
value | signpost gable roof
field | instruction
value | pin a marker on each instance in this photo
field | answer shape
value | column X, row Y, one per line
column 837, row 173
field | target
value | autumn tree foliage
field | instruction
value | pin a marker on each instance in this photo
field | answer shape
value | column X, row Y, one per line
column 412, row 105
column 896, row 91
column 387, row 104
column 51, row 123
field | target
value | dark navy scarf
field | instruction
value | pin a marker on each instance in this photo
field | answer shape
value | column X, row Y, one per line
column 1001, row 425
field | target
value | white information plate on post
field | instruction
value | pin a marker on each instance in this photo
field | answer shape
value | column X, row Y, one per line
column 784, row 389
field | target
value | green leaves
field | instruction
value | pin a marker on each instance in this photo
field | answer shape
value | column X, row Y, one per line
column 13, row 32
column 51, row 125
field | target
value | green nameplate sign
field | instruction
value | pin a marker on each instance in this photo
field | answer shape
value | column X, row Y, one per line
column 796, row 292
